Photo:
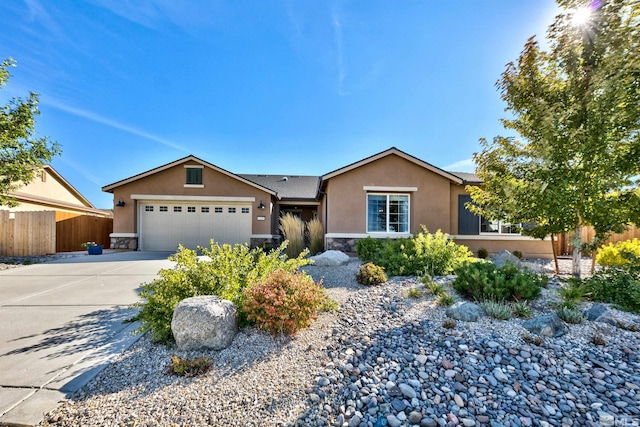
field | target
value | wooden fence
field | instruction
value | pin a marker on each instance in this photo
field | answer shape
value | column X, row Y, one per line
column 563, row 242
column 27, row 233
column 48, row 232
column 72, row 230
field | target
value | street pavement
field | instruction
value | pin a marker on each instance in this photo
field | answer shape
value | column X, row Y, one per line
column 61, row 322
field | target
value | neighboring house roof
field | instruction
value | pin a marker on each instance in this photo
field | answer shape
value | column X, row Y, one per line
column 468, row 178
column 27, row 195
column 393, row 151
column 109, row 188
column 288, row 187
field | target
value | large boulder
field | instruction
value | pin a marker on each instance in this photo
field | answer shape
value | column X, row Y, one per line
column 595, row 311
column 504, row 257
column 548, row 325
column 465, row 311
column 205, row 322
column 330, row 258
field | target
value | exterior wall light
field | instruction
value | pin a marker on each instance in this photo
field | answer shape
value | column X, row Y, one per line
column 120, row 202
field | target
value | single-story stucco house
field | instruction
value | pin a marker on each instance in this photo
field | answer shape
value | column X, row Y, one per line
column 390, row 194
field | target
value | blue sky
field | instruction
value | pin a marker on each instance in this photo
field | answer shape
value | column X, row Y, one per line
column 295, row 87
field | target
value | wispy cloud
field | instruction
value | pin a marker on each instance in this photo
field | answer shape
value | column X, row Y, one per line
column 38, row 14
column 154, row 13
column 111, row 123
column 466, row 165
column 81, row 170
column 337, row 34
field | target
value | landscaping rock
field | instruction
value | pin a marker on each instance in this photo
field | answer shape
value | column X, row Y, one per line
column 595, row 311
column 466, row 311
column 548, row 325
column 205, row 322
column 330, row 258
column 504, row 257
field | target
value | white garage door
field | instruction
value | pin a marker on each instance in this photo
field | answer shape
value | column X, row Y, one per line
column 164, row 225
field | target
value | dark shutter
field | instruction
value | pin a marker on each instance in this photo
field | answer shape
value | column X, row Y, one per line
column 468, row 222
column 194, row 176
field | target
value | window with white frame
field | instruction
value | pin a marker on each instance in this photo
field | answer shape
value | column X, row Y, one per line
column 387, row 213
column 498, row 227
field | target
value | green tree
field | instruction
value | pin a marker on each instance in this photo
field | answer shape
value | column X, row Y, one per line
column 21, row 152
column 576, row 109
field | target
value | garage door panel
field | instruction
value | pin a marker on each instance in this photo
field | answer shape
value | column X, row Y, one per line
column 164, row 225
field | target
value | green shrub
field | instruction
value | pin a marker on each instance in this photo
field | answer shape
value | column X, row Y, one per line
column 292, row 228
column 370, row 274
column 517, row 254
column 424, row 252
column 316, row 236
column 283, row 302
column 229, row 271
column 497, row 310
column 616, row 285
column 619, row 253
column 368, row 249
column 570, row 315
column 484, row 282
column 483, row 253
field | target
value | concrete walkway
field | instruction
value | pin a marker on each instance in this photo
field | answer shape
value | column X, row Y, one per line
column 61, row 322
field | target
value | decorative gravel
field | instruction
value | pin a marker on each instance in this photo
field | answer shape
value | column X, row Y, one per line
column 382, row 360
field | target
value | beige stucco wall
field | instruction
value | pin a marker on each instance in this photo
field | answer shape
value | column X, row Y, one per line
column 347, row 201
column 50, row 189
column 530, row 248
column 171, row 182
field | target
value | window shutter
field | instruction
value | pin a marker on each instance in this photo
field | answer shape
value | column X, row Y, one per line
column 468, row 222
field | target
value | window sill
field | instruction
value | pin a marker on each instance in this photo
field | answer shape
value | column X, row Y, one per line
column 193, row 186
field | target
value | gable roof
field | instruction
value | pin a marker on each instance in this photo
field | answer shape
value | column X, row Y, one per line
column 288, row 187
column 83, row 204
column 399, row 153
column 109, row 188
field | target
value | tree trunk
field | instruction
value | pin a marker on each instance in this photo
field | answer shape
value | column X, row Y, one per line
column 555, row 253
column 593, row 261
column 577, row 253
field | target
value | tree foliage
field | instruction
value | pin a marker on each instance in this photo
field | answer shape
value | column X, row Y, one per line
column 22, row 153
column 576, row 109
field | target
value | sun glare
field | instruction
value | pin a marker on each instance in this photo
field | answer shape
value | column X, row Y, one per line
column 581, row 16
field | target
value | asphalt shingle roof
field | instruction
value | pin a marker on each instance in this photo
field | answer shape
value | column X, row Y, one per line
column 288, row 186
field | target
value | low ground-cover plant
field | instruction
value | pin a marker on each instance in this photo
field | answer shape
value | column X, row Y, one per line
column 370, row 274
column 619, row 253
column 284, row 302
column 484, row 282
column 424, row 252
column 497, row 310
column 445, row 299
column 483, row 253
column 187, row 367
column 570, row 315
column 229, row 270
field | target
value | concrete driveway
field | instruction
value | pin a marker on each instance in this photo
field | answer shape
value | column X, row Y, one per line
column 60, row 324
